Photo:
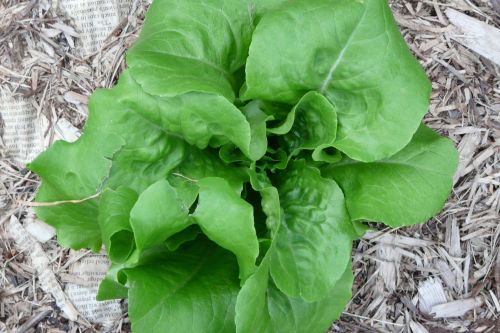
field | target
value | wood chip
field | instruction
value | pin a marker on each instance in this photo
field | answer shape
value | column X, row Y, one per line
column 417, row 327
column 456, row 308
column 476, row 35
column 40, row 262
column 75, row 98
column 34, row 320
column 41, row 231
column 388, row 266
column 446, row 273
column 397, row 240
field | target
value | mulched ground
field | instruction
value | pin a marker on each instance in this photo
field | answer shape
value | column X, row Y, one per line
column 398, row 272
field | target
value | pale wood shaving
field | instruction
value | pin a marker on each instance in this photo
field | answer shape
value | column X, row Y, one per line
column 476, row 35
column 417, row 327
column 456, row 308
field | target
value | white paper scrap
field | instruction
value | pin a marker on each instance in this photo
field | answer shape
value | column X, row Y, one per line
column 65, row 131
column 38, row 229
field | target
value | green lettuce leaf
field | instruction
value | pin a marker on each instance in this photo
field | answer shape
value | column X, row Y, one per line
column 192, row 46
column 263, row 308
column 195, row 64
column 193, row 290
column 118, row 147
column 311, row 125
column 190, row 233
column 187, row 115
column 114, row 221
column 353, row 54
column 158, row 214
column 313, row 244
column 233, row 229
column 199, row 164
column 407, row 188
column 257, row 119
column 112, row 287
column 270, row 200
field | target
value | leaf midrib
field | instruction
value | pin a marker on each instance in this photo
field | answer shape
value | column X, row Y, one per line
column 218, row 68
column 185, row 282
column 340, row 57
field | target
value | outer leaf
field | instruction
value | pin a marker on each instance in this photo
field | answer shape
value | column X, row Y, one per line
column 158, row 214
column 142, row 153
column 404, row 189
column 149, row 153
column 109, row 289
column 193, row 290
column 114, row 285
column 252, row 313
column 114, row 220
column 73, row 171
column 313, row 244
column 352, row 53
column 192, row 46
column 196, row 64
column 315, row 316
column 228, row 220
column 263, row 308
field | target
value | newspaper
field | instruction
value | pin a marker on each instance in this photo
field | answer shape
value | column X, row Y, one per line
column 89, row 271
column 95, row 19
column 20, row 128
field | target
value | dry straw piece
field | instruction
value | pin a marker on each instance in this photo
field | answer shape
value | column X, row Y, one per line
column 456, row 254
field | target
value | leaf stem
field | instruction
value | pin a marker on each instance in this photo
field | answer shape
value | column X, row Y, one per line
column 185, row 177
column 56, row 203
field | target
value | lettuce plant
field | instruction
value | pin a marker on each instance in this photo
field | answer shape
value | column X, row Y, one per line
column 239, row 156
